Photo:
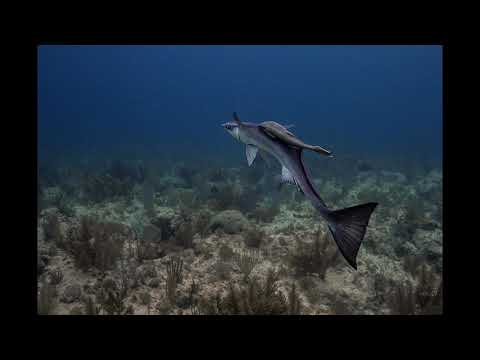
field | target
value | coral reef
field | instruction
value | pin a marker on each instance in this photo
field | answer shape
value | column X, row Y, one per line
column 253, row 236
column 112, row 298
column 254, row 298
column 230, row 221
column 246, row 262
column 51, row 229
column 95, row 243
column 173, row 279
column 195, row 240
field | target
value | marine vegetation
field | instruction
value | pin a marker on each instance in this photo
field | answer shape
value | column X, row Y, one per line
column 112, row 298
column 51, row 229
column 90, row 307
column 174, row 278
column 316, row 257
column 253, row 236
column 55, row 276
column 246, row 261
column 424, row 297
column 207, row 241
column 94, row 243
column 253, row 298
column 266, row 211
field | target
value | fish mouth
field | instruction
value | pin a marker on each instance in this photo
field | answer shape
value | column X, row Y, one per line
column 228, row 126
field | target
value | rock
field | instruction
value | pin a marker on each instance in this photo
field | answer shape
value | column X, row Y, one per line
column 149, row 271
column 55, row 276
column 332, row 189
column 160, row 252
column 43, row 249
column 52, row 250
column 151, row 233
column 132, row 283
column 394, row 176
column 50, row 194
column 431, row 181
column 41, row 264
column 170, row 182
column 230, row 221
column 189, row 255
column 89, row 289
column 154, row 283
column 72, row 293
column 77, row 310
column 429, row 243
column 149, row 250
column 165, row 248
column 164, row 224
column 145, row 298
column 109, row 284
column 407, row 249
column 163, row 307
column 183, row 301
column 139, row 277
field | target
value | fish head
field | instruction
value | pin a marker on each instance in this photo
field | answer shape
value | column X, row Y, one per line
column 233, row 129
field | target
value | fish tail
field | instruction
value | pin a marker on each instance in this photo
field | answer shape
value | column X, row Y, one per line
column 348, row 227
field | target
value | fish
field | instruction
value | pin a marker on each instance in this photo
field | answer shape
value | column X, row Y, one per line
column 348, row 225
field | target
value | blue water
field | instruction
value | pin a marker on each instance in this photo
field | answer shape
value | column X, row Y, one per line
column 168, row 102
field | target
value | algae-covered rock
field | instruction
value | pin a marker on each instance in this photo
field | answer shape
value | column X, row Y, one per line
column 152, row 233
column 230, row 221
column 41, row 264
column 429, row 243
column 170, row 182
column 164, row 224
column 77, row 310
column 332, row 190
column 72, row 293
column 392, row 176
column 154, row 283
column 407, row 249
column 432, row 180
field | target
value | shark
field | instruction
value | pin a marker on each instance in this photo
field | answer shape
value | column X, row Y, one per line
column 347, row 225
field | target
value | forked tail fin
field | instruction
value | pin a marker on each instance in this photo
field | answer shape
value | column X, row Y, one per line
column 348, row 228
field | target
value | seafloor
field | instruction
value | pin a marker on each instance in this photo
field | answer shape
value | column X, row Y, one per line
column 133, row 239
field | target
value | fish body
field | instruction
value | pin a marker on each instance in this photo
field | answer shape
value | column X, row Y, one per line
column 347, row 225
column 289, row 158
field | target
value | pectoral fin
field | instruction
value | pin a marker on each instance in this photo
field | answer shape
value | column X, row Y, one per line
column 288, row 178
column 251, row 152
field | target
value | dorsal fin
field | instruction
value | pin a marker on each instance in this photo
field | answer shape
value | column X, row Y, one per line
column 275, row 130
column 236, row 118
